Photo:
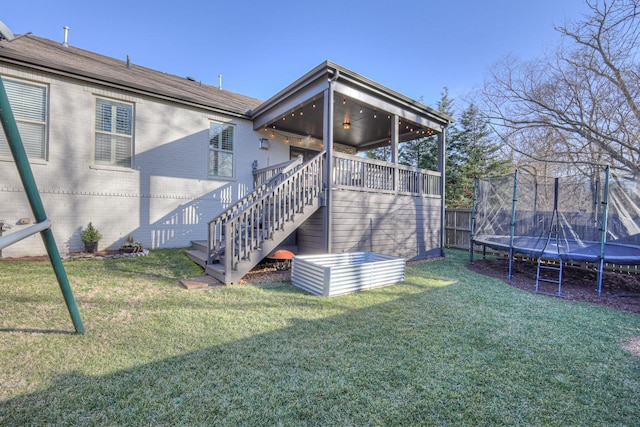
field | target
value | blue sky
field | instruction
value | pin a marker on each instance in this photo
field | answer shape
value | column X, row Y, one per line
column 411, row 46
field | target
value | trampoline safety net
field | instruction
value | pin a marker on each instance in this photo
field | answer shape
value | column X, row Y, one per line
column 570, row 218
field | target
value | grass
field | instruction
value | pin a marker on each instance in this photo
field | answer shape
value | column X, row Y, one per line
column 445, row 347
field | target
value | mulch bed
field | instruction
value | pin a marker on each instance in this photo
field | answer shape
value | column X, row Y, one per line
column 619, row 290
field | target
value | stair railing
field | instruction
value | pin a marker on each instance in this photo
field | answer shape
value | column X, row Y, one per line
column 265, row 175
column 248, row 228
column 216, row 225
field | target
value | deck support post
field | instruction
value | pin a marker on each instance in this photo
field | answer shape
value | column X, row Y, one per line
column 442, row 152
column 395, row 136
column 31, row 189
column 328, row 147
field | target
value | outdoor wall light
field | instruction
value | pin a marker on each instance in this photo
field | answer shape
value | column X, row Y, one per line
column 264, row 143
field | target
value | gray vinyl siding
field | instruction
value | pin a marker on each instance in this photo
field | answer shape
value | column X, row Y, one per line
column 403, row 226
column 310, row 235
column 395, row 225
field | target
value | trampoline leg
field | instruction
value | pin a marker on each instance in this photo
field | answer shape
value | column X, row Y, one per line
column 600, row 274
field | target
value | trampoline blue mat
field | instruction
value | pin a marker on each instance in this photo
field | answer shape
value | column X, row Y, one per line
column 567, row 250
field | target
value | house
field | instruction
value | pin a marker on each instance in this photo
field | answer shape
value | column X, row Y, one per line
column 175, row 163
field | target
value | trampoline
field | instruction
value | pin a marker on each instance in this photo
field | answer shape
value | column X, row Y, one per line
column 567, row 250
column 570, row 219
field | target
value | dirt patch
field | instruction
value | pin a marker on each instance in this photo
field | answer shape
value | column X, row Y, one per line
column 633, row 346
column 619, row 290
column 72, row 255
column 266, row 272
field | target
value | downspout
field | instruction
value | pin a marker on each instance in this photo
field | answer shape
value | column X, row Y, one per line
column 328, row 146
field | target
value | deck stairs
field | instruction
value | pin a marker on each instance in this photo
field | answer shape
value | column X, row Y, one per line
column 247, row 232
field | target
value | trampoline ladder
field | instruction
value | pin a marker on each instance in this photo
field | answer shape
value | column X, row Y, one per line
column 552, row 268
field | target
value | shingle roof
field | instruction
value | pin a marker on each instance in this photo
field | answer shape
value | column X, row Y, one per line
column 47, row 55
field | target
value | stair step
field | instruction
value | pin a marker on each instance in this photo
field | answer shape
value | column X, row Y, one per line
column 199, row 245
column 199, row 257
column 217, row 271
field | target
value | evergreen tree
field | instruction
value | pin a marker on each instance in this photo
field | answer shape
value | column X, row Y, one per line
column 423, row 152
column 470, row 152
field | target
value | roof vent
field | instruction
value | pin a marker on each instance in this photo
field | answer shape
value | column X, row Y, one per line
column 191, row 79
column 66, row 36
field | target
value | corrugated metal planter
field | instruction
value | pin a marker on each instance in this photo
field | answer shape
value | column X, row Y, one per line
column 336, row 274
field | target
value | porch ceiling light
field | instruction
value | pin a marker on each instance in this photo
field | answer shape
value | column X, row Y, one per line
column 346, row 125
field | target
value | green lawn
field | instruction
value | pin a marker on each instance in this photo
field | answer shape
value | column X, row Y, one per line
column 446, row 347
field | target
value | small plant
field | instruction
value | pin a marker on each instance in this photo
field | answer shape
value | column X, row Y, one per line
column 90, row 234
column 90, row 237
column 131, row 245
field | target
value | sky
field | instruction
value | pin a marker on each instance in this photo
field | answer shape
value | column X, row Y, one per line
column 415, row 47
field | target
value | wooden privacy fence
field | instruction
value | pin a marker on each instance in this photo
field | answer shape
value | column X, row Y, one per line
column 457, row 228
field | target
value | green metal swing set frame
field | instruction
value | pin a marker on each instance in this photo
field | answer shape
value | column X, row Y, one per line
column 42, row 224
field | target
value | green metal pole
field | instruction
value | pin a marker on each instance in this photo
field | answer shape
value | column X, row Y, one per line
column 512, row 226
column 603, row 235
column 24, row 169
column 472, row 226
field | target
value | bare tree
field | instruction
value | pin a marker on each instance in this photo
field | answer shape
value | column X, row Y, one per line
column 579, row 105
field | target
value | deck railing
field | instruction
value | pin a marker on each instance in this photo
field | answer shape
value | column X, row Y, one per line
column 379, row 176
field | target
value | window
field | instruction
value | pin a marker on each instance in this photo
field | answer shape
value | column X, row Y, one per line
column 221, row 150
column 114, row 133
column 29, row 105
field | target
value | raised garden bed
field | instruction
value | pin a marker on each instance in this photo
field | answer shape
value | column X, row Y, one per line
column 336, row 274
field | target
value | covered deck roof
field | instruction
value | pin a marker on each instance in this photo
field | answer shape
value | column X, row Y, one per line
column 360, row 114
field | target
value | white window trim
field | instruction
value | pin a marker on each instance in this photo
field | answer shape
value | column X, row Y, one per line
column 113, row 167
column 233, row 152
